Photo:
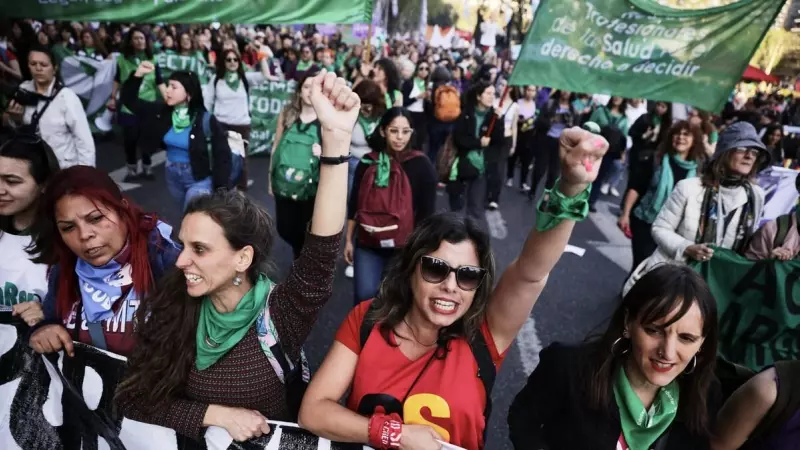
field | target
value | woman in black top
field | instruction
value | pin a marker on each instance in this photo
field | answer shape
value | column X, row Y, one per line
column 647, row 382
column 394, row 136
column 646, row 135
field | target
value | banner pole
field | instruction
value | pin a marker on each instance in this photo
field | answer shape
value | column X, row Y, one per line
column 494, row 116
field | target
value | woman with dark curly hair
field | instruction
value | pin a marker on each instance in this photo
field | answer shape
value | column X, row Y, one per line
column 431, row 341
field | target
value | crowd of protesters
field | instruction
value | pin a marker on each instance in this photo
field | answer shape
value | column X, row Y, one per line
column 360, row 150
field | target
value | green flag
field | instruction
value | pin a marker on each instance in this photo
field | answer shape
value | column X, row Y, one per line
column 640, row 49
column 758, row 306
column 198, row 11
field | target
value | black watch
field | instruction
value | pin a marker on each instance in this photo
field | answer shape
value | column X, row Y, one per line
column 335, row 160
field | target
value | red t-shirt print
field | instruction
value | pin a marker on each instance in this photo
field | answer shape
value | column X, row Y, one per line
column 449, row 396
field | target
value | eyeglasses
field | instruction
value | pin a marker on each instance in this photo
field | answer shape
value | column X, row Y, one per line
column 747, row 151
column 233, row 60
column 400, row 131
column 435, row 270
column 423, row 68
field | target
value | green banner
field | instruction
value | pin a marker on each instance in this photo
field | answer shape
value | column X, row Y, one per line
column 266, row 101
column 197, row 11
column 640, row 49
column 758, row 307
column 171, row 62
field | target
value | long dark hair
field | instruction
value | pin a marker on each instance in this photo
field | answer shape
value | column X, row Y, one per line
column 221, row 69
column 666, row 120
column 653, row 298
column 127, row 44
column 377, row 141
column 392, row 75
column 698, row 151
column 167, row 320
column 370, row 94
column 191, row 83
column 49, row 248
column 476, row 90
column 40, row 157
column 395, row 297
column 98, row 43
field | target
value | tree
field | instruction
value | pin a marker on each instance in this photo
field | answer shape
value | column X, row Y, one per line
column 439, row 13
column 773, row 48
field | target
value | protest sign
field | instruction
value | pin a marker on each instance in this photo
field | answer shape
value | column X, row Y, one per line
column 758, row 307
column 169, row 62
column 639, row 49
column 55, row 401
column 196, row 11
column 266, row 101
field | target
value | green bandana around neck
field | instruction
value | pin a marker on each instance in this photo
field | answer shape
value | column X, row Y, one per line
column 368, row 125
column 90, row 51
column 642, row 427
column 218, row 333
column 232, row 80
column 302, row 66
column 420, row 84
column 659, row 192
column 180, row 118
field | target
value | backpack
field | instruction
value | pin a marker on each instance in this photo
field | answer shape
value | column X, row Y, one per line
column 294, row 376
column 295, row 172
column 445, row 159
column 447, row 104
column 487, row 372
column 236, row 163
column 385, row 215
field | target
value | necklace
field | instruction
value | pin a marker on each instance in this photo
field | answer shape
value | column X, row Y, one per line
column 415, row 335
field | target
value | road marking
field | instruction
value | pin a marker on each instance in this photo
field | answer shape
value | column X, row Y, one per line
column 496, row 223
column 529, row 346
column 118, row 175
column 616, row 247
column 575, row 250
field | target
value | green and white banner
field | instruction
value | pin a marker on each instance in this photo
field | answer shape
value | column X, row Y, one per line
column 92, row 81
column 196, row 11
column 266, row 101
column 758, row 307
column 169, row 62
column 640, row 49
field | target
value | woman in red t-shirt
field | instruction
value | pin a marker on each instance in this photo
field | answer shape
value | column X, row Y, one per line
column 413, row 370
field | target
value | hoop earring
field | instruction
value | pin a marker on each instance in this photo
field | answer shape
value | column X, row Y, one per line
column 237, row 280
column 694, row 366
column 614, row 345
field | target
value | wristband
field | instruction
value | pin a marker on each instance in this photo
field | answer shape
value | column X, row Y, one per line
column 385, row 431
column 335, row 160
column 555, row 207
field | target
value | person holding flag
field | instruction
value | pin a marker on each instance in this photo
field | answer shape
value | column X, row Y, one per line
column 136, row 49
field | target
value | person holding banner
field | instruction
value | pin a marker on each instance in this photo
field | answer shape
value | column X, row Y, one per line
column 431, row 341
column 105, row 254
column 209, row 350
column 135, row 49
column 199, row 158
column 26, row 166
column 679, row 156
column 45, row 107
column 647, row 382
column 779, row 238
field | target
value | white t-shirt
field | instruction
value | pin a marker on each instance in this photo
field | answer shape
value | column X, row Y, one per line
column 488, row 34
column 229, row 107
column 20, row 279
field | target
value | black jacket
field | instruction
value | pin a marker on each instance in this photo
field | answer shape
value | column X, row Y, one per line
column 465, row 140
column 155, row 120
column 551, row 411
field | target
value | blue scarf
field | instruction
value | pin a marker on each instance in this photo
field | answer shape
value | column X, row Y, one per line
column 101, row 287
column 661, row 188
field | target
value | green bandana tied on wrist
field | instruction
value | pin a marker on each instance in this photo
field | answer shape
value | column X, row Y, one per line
column 555, row 207
column 218, row 333
column 642, row 427
column 232, row 80
column 180, row 118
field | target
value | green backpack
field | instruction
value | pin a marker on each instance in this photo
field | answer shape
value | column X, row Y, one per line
column 295, row 172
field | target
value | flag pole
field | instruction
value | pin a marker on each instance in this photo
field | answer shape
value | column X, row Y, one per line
column 494, row 116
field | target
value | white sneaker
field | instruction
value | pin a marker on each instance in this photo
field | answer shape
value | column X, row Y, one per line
column 510, row 182
column 525, row 188
column 348, row 271
column 614, row 192
column 493, row 205
column 604, row 189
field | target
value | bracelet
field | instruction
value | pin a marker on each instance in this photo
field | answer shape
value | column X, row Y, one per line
column 335, row 160
column 555, row 207
column 385, row 431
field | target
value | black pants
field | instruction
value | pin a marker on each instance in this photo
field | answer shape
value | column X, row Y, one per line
column 291, row 219
column 420, row 130
column 494, row 159
column 547, row 160
column 469, row 193
column 130, row 137
column 522, row 154
column 642, row 242
column 437, row 135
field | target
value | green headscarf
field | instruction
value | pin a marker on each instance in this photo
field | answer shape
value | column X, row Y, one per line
column 180, row 118
column 218, row 333
column 642, row 427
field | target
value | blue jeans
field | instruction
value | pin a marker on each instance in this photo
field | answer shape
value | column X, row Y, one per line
column 617, row 172
column 182, row 185
column 368, row 268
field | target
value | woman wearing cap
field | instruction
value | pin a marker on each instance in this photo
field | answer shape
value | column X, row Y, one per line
column 720, row 208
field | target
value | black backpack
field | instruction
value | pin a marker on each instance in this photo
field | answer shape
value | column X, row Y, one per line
column 487, row 372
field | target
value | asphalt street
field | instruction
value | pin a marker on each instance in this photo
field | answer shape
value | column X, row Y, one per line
column 580, row 295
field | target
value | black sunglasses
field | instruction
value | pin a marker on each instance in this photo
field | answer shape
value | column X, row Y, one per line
column 231, row 60
column 435, row 270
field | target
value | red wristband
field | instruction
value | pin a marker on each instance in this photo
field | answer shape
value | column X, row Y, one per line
column 385, row 431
